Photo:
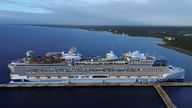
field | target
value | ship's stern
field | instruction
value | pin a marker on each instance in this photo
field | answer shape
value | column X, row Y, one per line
column 14, row 76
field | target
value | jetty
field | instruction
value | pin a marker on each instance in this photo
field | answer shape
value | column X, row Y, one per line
column 104, row 84
column 164, row 96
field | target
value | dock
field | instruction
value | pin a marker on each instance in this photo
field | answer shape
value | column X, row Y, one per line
column 50, row 85
column 105, row 84
column 164, row 97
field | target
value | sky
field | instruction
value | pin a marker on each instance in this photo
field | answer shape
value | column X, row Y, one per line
column 97, row 12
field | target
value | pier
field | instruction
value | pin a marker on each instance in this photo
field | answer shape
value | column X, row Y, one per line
column 104, row 84
column 164, row 97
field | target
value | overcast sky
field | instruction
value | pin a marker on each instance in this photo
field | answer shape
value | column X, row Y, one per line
column 97, row 12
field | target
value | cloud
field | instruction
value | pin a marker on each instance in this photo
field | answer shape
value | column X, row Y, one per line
column 127, row 12
column 26, row 9
column 28, row 6
column 42, row 4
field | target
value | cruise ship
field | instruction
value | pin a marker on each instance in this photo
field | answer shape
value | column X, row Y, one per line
column 72, row 67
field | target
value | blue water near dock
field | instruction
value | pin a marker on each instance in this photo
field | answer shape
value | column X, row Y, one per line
column 16, row 40
column 181, row 96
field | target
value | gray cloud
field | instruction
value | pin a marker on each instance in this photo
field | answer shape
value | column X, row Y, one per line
column 126, row 12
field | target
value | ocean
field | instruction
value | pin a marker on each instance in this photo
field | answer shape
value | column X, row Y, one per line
column 16, row 40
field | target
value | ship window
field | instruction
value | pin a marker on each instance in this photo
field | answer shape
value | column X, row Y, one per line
column 132, row 69
column 99, row 76
column 84, row 76
column 73, row 76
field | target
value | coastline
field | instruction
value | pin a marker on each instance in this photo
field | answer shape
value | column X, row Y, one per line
column 187, row 52
column 165, row 44
column 94, row 28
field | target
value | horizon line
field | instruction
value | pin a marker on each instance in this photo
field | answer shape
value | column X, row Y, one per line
column 102, row 25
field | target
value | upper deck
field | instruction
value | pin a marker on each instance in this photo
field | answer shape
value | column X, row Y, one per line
column 72, row 58
column 83, row 61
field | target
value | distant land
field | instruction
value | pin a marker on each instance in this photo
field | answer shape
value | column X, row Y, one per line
column 177, row 38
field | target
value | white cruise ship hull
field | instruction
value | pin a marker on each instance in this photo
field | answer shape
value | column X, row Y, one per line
column 175, row 74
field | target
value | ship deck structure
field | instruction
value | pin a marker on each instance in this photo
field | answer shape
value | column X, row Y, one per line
column 131, row 67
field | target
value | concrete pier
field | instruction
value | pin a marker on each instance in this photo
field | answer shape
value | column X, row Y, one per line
column 105, row 84
column 176, row 84
column 164, row 97
column 42, row 85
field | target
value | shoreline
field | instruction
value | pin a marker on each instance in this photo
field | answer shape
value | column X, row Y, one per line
column 165, row 44
column 187, row 52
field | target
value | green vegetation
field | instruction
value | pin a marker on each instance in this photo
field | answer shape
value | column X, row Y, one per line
column 183, row 44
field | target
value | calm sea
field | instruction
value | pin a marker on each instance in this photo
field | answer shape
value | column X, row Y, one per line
column 16, row 40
